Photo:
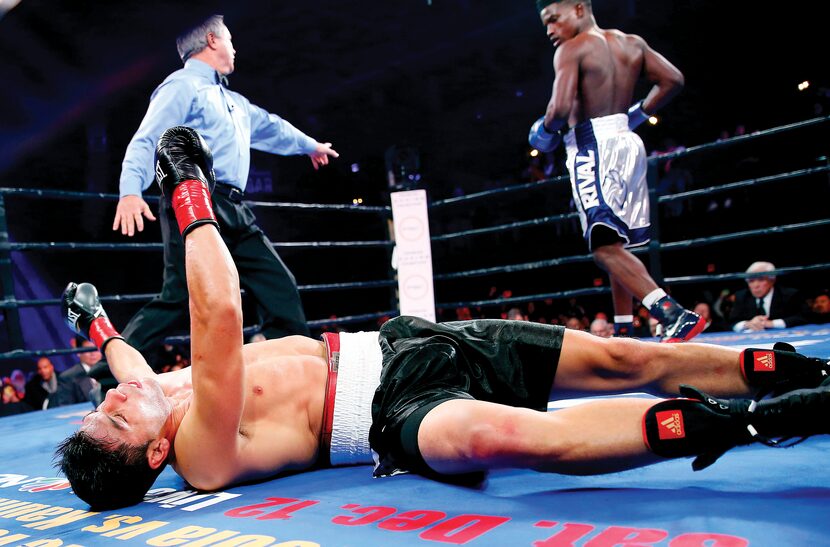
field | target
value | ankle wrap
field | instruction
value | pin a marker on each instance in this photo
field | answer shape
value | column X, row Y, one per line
column 699, row 425
column 683, row 427
column 781, row 369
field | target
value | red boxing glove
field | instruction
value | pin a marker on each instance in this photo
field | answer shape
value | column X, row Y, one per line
column 184, row 169
column 192, row 205
column 85, row 315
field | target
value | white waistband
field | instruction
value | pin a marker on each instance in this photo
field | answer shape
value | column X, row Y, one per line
column 358, row 375
column 601, row 128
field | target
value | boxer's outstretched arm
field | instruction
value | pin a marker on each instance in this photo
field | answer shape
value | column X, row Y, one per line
column 208, row 444
column 126, row 362
column 84, row 314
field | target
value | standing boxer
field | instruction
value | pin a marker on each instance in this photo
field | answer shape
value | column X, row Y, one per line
column 596, row 72
column 197, row 96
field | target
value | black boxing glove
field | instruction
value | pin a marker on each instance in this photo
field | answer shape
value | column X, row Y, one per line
column 184, row 171
column 85, row 315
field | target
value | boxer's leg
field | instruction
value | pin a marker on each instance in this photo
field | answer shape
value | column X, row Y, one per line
column 590, row 363
column 461, row 436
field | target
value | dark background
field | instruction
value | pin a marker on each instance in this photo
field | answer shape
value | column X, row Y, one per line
column 459, row 81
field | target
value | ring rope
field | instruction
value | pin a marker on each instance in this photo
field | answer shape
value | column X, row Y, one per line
column 487, row 193
column 668, row 246
column 14, row 303
column 664, row 156
column 602, row 290
column 384, row 209
column 696, row 242
column 353, row 318
column 75, row 246
column 527, row 266
column 329, row 244
column 528, row 298
column 661, row 199
column 744, row 275
column 315, row 323
column 352, row 285
column 68, row 194
column 742, row 138
column 519, row 224
column 67, row 246
column 517, row 267
column 22, row 353
column 62, row 194
column 743, row 184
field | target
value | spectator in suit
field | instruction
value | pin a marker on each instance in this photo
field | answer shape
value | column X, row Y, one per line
column 74, row 384
column 763, row 306
column 42, row 385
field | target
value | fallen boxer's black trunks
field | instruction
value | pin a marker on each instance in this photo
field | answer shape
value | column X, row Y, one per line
column 507, row 362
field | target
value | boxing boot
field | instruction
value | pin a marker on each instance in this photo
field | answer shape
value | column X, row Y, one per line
column 706, row 427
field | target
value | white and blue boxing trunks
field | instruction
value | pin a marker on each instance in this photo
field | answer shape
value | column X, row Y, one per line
column 608, row 166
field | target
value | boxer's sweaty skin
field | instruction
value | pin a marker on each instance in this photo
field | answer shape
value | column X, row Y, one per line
column 281, row 418
column 598, row 69
column 279, row 428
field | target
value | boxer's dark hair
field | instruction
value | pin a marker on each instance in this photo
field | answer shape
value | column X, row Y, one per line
column 106, row 475
column 542, row 4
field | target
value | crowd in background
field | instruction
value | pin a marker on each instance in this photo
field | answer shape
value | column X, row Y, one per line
column 813, row 308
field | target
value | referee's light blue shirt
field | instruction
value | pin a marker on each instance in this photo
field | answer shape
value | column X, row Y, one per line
column 229, row 123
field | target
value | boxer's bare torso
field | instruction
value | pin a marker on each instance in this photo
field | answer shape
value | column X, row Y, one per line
column 597, row 69
column 281, row 419
column 609, row 64
column 278, row 428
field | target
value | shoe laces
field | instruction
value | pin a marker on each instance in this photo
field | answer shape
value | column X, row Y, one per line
column 781, row 442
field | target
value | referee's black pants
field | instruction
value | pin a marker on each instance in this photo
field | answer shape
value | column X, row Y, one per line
column 262, row 274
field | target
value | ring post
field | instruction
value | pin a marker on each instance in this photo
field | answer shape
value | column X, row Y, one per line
column 10, row 314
